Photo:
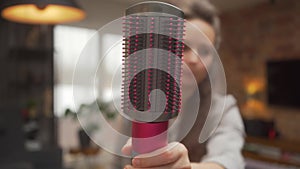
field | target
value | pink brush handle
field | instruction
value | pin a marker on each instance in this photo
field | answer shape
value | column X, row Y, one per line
column 147, row 137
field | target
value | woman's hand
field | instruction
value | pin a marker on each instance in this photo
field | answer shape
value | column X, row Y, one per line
column 174, row 156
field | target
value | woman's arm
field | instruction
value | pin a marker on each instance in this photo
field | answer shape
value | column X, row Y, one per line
column 224, row 146
column 173, row 157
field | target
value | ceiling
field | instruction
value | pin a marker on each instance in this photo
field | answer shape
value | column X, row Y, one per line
column 101, row 12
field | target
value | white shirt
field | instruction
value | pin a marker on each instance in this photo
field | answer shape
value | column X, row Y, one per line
column 225, row 144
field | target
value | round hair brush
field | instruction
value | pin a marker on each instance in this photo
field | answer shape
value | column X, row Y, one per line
column 152, row 69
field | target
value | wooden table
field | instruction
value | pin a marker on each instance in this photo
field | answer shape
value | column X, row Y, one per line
column 283, row 150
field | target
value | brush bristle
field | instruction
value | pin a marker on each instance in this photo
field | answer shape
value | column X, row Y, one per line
column 145, row 38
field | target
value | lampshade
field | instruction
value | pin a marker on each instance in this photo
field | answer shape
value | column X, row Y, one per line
column 42, row 11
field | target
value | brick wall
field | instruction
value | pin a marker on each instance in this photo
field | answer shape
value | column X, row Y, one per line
column 253, row 36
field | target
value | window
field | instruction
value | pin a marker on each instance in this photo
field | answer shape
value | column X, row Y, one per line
column 68, row 45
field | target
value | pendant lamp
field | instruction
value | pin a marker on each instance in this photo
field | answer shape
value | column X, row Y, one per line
column 41, row 11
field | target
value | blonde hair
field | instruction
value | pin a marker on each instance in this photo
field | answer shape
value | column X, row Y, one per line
column 201, row 9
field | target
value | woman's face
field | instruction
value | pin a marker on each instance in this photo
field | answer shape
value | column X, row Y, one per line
column 197, row 46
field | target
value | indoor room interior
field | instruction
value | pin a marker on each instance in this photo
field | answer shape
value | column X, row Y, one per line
column 39, row 129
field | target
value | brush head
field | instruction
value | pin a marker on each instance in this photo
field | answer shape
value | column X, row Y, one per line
column 152, row 61
column 154, row 6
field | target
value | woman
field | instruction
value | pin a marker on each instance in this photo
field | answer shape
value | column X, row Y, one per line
column 223, row 148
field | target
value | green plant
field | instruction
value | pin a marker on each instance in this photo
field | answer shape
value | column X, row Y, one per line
column 88, row 110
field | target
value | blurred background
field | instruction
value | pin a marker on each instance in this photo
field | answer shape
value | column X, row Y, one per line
column 38, row 130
